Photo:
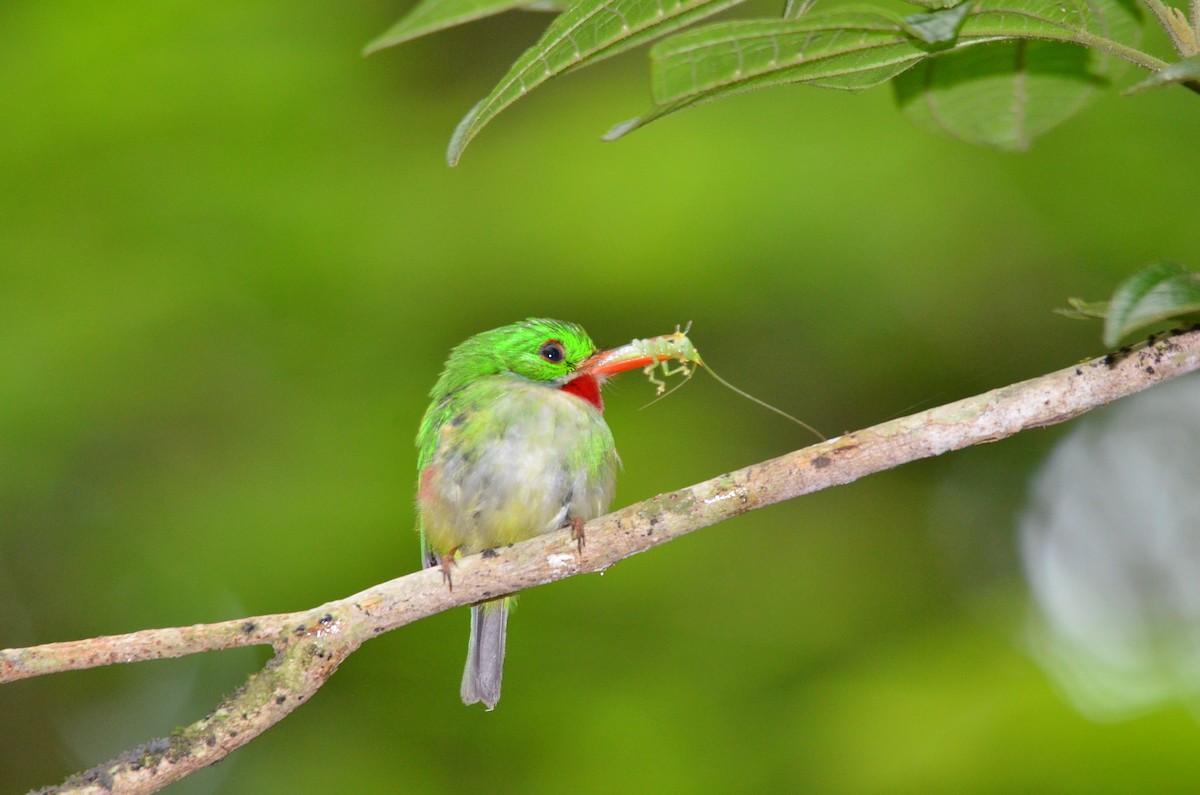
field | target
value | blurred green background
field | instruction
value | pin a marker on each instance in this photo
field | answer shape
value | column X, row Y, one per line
column 233, row 261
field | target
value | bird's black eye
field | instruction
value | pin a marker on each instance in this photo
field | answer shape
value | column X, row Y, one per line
column 551, row 351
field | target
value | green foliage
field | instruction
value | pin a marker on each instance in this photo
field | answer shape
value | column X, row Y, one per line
column 939, row 26
column 992, row 72
column 1164, row 293
column 732, row 57
column 983, row 95
column 1079, row 309
column 1009, row 92
column 430, row 16
column 588, row 31
column 1161, row 293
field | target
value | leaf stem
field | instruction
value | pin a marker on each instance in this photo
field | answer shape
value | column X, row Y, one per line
column 1131, row 54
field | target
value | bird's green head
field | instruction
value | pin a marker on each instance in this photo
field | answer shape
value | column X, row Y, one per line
column 538, row 349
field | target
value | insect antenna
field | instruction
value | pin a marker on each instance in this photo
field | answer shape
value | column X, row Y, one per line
column 762, row 403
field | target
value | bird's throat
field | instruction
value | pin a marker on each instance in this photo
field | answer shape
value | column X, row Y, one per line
column 586, row 387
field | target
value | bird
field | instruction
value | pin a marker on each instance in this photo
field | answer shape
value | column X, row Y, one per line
column 514, row 445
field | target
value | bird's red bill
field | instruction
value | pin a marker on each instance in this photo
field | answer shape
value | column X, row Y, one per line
column 632, row 356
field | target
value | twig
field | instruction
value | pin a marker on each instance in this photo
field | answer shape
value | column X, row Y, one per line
column 310, row 645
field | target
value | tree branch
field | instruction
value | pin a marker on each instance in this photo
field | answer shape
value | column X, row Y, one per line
column 309, row 645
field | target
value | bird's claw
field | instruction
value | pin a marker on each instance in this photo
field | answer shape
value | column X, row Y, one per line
column 447, row 561
column 577, row 534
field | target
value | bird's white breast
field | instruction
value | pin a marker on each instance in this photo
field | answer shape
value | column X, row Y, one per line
column 517, row 465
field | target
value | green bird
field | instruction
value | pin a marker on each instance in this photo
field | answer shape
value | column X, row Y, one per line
column 514, row 445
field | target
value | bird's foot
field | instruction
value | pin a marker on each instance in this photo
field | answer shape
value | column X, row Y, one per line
column 447, row 561
column 577, row 534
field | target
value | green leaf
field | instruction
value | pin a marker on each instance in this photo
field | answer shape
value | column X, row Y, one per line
column 1119, row 20
column 430, row 16
column 1001, row 95
column 588, row 31
column 794, row 9
column 856, row 48
column 937, row 27
column 1182, row 71
column 1007, row 93
column 849, row 48
column 1156, row 294
column 1080, row 309
column 934, row 5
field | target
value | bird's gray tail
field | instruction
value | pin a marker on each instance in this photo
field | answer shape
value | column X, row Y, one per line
column 485, row 654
